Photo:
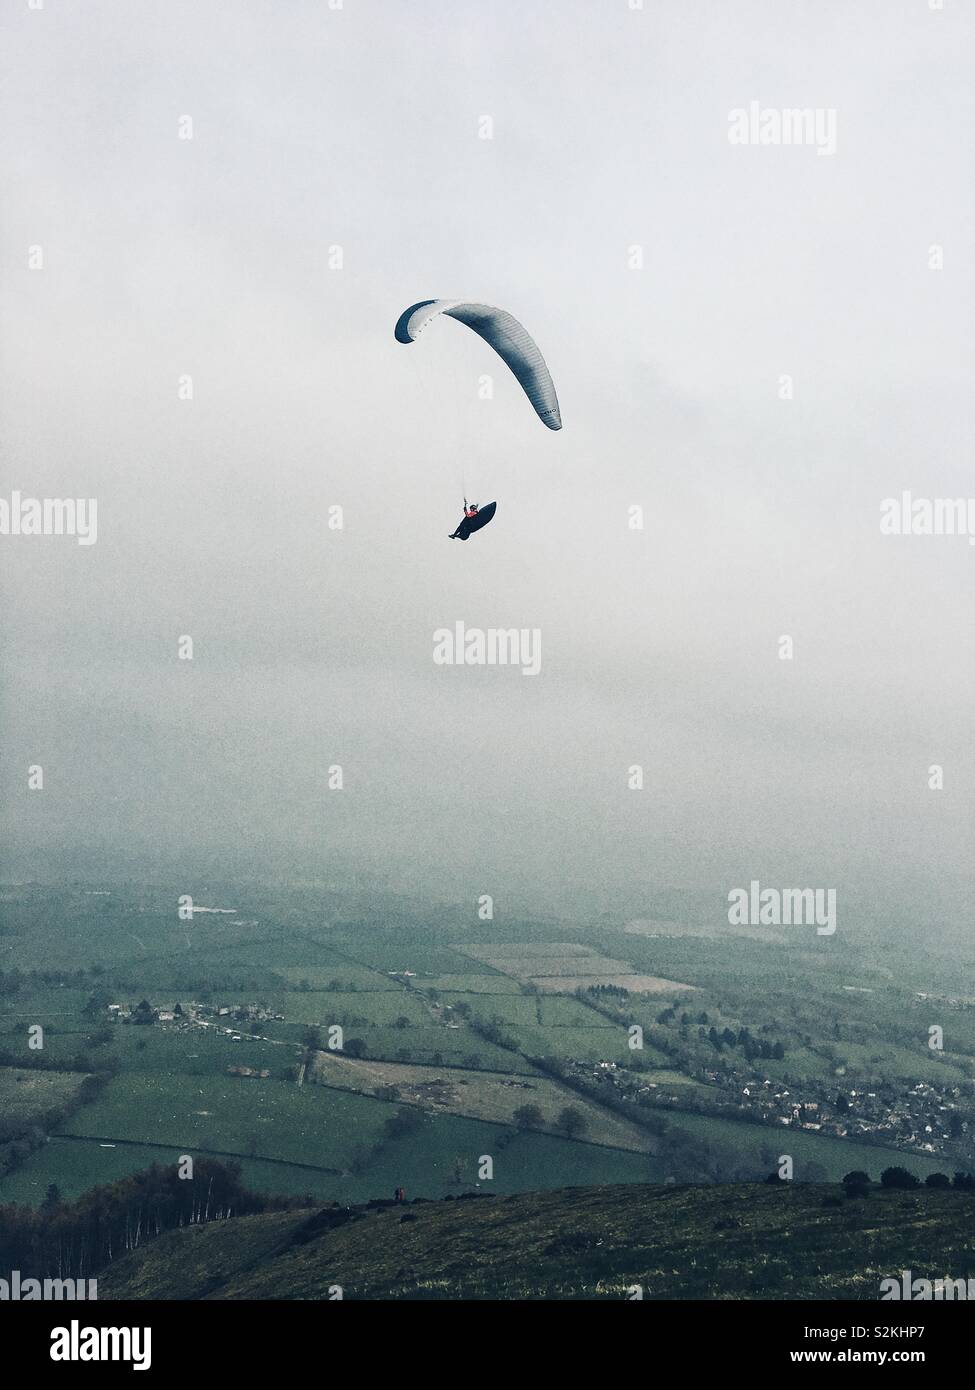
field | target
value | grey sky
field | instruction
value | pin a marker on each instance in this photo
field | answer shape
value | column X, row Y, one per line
column 359, row 128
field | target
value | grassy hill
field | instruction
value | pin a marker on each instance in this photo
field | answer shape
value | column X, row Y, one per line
column 738, row 1241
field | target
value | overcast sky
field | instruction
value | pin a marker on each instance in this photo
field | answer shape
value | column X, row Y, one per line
column 358, row 128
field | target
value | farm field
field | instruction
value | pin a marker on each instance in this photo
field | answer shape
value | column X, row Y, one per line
column 436, row 1044
column 479, row 1095
column 63, row 1041
column 27, row 1095
column 832, row 1156
column 564, row 967
column 343, row 974
column 430, row 1043
column 491, row 983
column 45, row 1006
column 194, row 1051
column 379, row 1008
column 75, row 1165
column 558, row 1011
column 670, row 1080
column 501, row 1008
column 586, row 1044
column 877, row 1061
column 236, row 1115
column 442, row 1157
column 384, row 951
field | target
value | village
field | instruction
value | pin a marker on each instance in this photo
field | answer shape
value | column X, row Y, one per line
column 193, row 1013
column 925, row 1118
column 198, row 1015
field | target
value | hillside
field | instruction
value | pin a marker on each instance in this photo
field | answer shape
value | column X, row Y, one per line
column 738, row 1241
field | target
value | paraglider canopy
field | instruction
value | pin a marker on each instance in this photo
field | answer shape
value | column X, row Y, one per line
column 502, row 331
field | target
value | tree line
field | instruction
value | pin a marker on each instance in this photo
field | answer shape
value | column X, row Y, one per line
column 75, row 1240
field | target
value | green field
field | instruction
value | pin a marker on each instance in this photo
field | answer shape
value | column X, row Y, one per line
column 381, row 951
column 26, row 1096
column 561, row 1011
column 452, row 1045
column 505, row 1008
column 443, row 1157
column 195, row 1051
column 45, row 1006
column 75, row 1165
column 322, row 1008
column 342, row 974
column 748, row 1142
column 880, row 1061
column 585, row 1044
column 488, row 983
column 250, row 1118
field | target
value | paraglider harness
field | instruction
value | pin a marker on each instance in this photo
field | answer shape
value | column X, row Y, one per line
column 470, row 512
column 473, row 519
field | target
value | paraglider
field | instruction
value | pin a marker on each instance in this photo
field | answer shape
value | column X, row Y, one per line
column 474, row 518
column 516, row 348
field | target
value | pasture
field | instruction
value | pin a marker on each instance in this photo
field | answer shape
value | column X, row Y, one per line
column 479, row 1095
column 26, row 1096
